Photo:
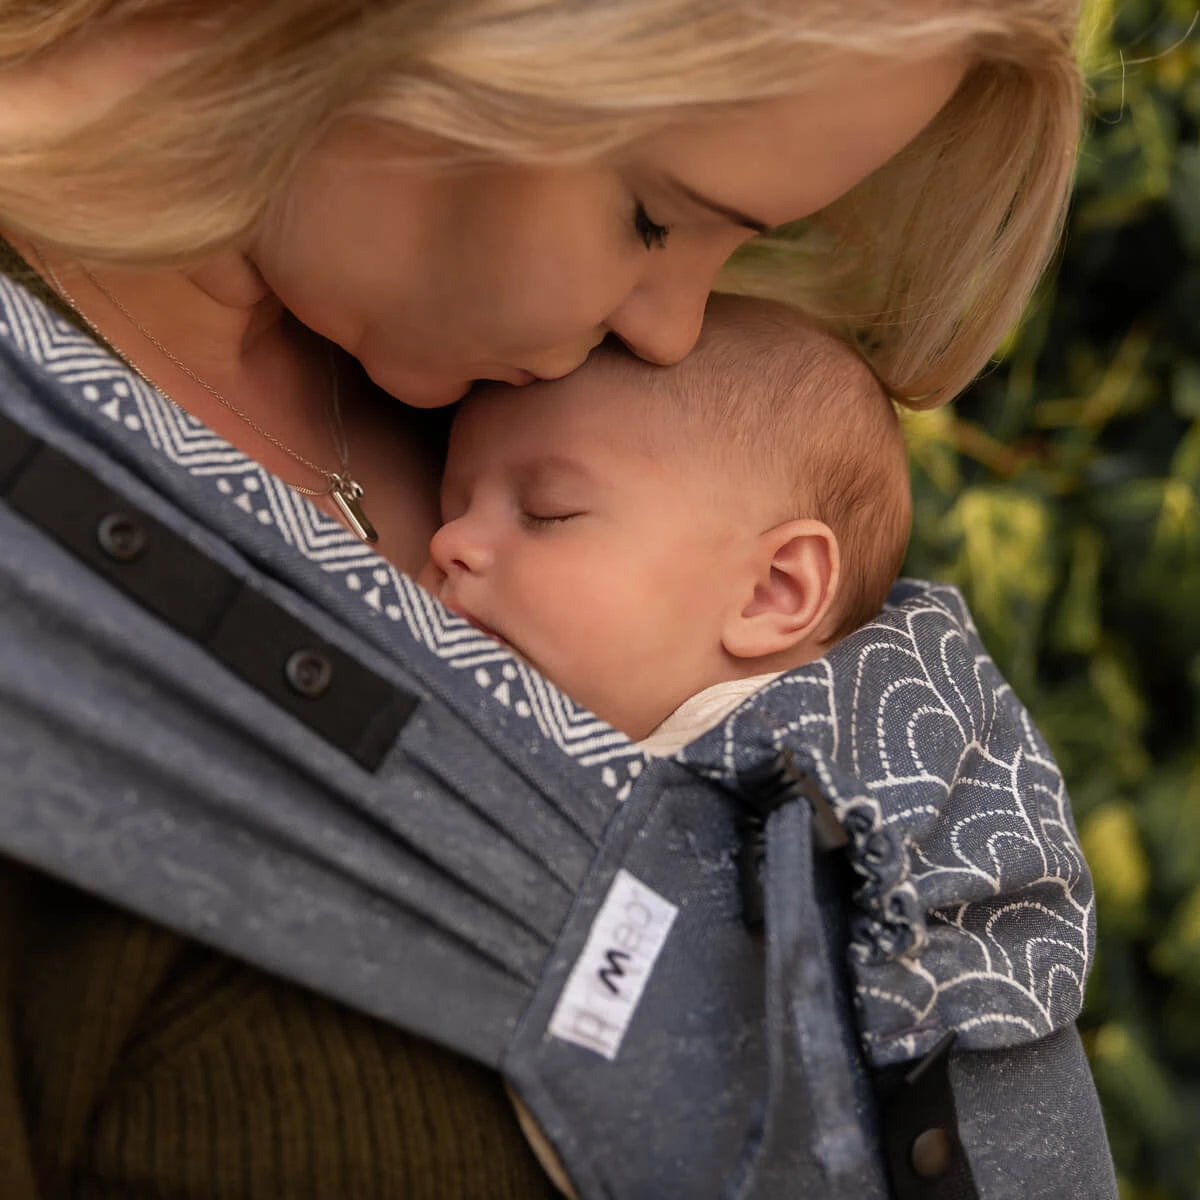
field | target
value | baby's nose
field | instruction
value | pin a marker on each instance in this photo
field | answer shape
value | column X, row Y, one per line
column 460, row 546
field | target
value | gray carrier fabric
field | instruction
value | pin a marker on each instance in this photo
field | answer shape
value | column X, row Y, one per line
column 219, row 710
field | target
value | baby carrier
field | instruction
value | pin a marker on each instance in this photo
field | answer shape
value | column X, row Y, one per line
column 835, row 948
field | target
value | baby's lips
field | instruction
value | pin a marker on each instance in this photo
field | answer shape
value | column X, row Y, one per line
column 466, row 616
column 489, row 631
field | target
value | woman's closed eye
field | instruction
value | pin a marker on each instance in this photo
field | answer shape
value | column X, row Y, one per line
column 650, row 231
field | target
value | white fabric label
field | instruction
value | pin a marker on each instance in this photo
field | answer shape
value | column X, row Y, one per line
column 608, row 978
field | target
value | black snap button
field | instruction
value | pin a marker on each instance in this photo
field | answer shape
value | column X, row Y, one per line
column 121, row 537
column 931, row 1153
column 309, row 673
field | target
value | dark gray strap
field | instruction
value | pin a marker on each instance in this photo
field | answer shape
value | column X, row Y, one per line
column 1031, row 1122
column 809, row 1029
column 997, row 1125
column 786, row 808
column 919, row 1125
column 335, row 695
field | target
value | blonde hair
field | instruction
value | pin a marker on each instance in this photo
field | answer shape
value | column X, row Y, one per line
column 768, row 394
column 926, row 264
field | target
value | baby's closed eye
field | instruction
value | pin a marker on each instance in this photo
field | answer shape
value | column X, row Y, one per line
column 547, row 517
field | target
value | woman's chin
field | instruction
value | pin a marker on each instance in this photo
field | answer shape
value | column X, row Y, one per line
column 420, row 391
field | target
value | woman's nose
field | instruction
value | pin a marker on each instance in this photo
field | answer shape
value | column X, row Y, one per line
column 460, row 545
column 661, row 324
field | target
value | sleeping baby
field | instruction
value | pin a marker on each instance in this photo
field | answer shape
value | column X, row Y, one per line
column 661, row 541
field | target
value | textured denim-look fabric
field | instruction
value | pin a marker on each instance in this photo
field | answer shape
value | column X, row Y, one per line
column 1031, row 1121
column 782, row 1103
column 451, row 890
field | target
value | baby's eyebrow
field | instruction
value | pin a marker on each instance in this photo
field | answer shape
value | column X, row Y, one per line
column 552, row 468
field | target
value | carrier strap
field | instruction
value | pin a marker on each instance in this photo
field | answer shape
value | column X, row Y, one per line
column 797, row 848
column 335, row 695
column 919, row 1123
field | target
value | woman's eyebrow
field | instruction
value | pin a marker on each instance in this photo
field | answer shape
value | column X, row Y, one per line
column 722, row 210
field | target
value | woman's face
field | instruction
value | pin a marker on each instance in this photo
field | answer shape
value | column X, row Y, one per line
column 434, row 278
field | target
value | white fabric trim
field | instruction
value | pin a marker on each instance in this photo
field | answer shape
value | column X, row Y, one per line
column 699, row 713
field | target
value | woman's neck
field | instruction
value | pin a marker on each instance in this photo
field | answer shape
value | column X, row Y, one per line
column 211, row 337
column 217, row 315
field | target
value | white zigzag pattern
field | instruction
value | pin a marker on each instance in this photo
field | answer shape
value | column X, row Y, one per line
column 114, row 391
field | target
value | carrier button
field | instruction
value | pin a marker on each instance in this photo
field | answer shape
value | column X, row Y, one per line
column 309, row 673
column 931, row 1153
column 121, row 537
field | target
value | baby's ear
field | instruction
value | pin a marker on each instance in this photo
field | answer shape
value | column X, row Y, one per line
column 788, row 591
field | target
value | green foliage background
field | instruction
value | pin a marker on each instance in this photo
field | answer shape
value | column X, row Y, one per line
column 1062, row 494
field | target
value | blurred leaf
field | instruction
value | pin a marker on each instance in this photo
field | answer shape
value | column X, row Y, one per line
column 1005, row 564
column 1185, row 383
column 1178, row 950
column 1077, row 625
column 1169, row 811
column 1185, row 464
column 1182, row 192
column 1121, row 871
column 931, row 448
column 1134, row 1083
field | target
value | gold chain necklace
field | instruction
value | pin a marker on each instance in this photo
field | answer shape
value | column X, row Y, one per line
column 345, row 491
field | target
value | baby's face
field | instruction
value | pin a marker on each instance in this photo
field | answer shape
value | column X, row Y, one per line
column 599, row 553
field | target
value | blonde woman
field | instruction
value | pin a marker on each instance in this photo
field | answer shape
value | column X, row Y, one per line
column 303, row 222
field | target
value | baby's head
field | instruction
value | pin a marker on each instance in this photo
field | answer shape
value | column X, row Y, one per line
column 639, row 533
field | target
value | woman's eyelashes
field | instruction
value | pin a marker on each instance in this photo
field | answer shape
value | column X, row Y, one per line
column 650, row 231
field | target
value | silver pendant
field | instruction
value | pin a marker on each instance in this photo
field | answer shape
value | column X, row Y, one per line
column 346, row 495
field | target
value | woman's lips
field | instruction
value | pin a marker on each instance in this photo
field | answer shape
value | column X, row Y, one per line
column 522, row 376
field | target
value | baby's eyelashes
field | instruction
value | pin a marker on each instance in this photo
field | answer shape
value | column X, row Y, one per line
column 546, row 520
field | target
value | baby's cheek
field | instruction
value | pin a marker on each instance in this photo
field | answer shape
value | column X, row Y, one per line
column 632, row 694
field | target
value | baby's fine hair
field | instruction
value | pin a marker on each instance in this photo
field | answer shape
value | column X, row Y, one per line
column 769, row 389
